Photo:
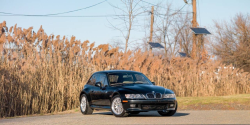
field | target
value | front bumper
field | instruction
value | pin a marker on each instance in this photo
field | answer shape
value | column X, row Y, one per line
column 150, row 105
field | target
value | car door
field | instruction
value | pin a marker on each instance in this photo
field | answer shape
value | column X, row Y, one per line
column 106, row 92
column 98, row 93
column 101, row 95
column 94, row 94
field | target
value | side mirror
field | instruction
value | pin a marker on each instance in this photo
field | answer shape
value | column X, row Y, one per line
column 153, row 83
column 98, row 84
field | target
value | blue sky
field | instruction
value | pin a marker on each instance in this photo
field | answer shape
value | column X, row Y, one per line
column 98, row 29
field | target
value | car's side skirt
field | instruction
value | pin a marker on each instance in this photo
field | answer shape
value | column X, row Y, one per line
column 99, row 107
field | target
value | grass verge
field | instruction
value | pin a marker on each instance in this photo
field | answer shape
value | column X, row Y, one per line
column 233, row 102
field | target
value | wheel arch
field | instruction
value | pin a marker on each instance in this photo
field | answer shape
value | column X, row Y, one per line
column 114, row 94
column 83, row 92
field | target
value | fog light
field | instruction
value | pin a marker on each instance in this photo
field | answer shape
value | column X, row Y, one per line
column 132, row 105
column 171, row 105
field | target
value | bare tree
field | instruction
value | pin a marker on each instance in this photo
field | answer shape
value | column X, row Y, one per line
column 184, row 33
column 172, row 28
column 127, row 15
column 232, row 41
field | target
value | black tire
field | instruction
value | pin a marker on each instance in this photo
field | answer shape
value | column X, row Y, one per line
column 123, row 113
column 134, row 112
column 87, row 110
column 168, row 113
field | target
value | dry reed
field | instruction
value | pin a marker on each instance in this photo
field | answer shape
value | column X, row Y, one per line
column 44, row 74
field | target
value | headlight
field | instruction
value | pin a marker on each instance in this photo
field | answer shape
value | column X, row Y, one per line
column 169, row 96
column 134, row 96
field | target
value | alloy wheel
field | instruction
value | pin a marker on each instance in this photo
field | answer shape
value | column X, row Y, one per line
column 83, row 103
column 117, row 106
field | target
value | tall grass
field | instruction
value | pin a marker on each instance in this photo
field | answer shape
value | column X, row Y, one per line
column 42, row 73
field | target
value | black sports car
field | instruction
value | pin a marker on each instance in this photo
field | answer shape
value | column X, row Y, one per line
column 126, row 92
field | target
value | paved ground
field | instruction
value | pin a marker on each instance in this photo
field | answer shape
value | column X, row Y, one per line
column 181, row 117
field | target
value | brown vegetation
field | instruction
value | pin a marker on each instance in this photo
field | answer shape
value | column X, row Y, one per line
column 233, row 41
column 43, row 73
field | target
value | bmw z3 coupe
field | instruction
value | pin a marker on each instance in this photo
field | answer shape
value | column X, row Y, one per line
column 125, row 92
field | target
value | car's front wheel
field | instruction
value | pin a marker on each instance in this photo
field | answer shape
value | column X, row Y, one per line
column 168, row 113
column 117, row 108
column 84, row 105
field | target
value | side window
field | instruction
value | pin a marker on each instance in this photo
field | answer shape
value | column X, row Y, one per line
column 106, row 82
column 93, row 80
column 102, row 79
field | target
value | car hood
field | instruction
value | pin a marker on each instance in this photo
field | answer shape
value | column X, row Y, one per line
column 143, row 89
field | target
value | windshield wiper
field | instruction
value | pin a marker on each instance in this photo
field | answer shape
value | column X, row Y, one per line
column 117, row 84
column 135, row 83
column 138, row 82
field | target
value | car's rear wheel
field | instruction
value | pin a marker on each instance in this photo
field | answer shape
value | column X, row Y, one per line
column 84, row 105
column 168, row 113
column 117, row 107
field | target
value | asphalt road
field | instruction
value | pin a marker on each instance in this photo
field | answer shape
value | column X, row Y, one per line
column 104, row 117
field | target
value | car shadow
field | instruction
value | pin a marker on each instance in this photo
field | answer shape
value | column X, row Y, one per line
column 145, row 114
column 179, row 114
column 102, row 113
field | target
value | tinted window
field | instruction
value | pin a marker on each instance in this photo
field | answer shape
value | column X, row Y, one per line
column 140, row 78
column 127, row 78
column 106, row 81
column 93, row 80
column 113, row 78
column 102, row 79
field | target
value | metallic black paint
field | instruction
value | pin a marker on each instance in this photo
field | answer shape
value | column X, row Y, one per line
column 100, row 97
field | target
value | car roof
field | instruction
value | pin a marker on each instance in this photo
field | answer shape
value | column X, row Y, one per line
column 117, row 71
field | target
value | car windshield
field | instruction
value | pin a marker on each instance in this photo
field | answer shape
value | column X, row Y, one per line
column 127, row 78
